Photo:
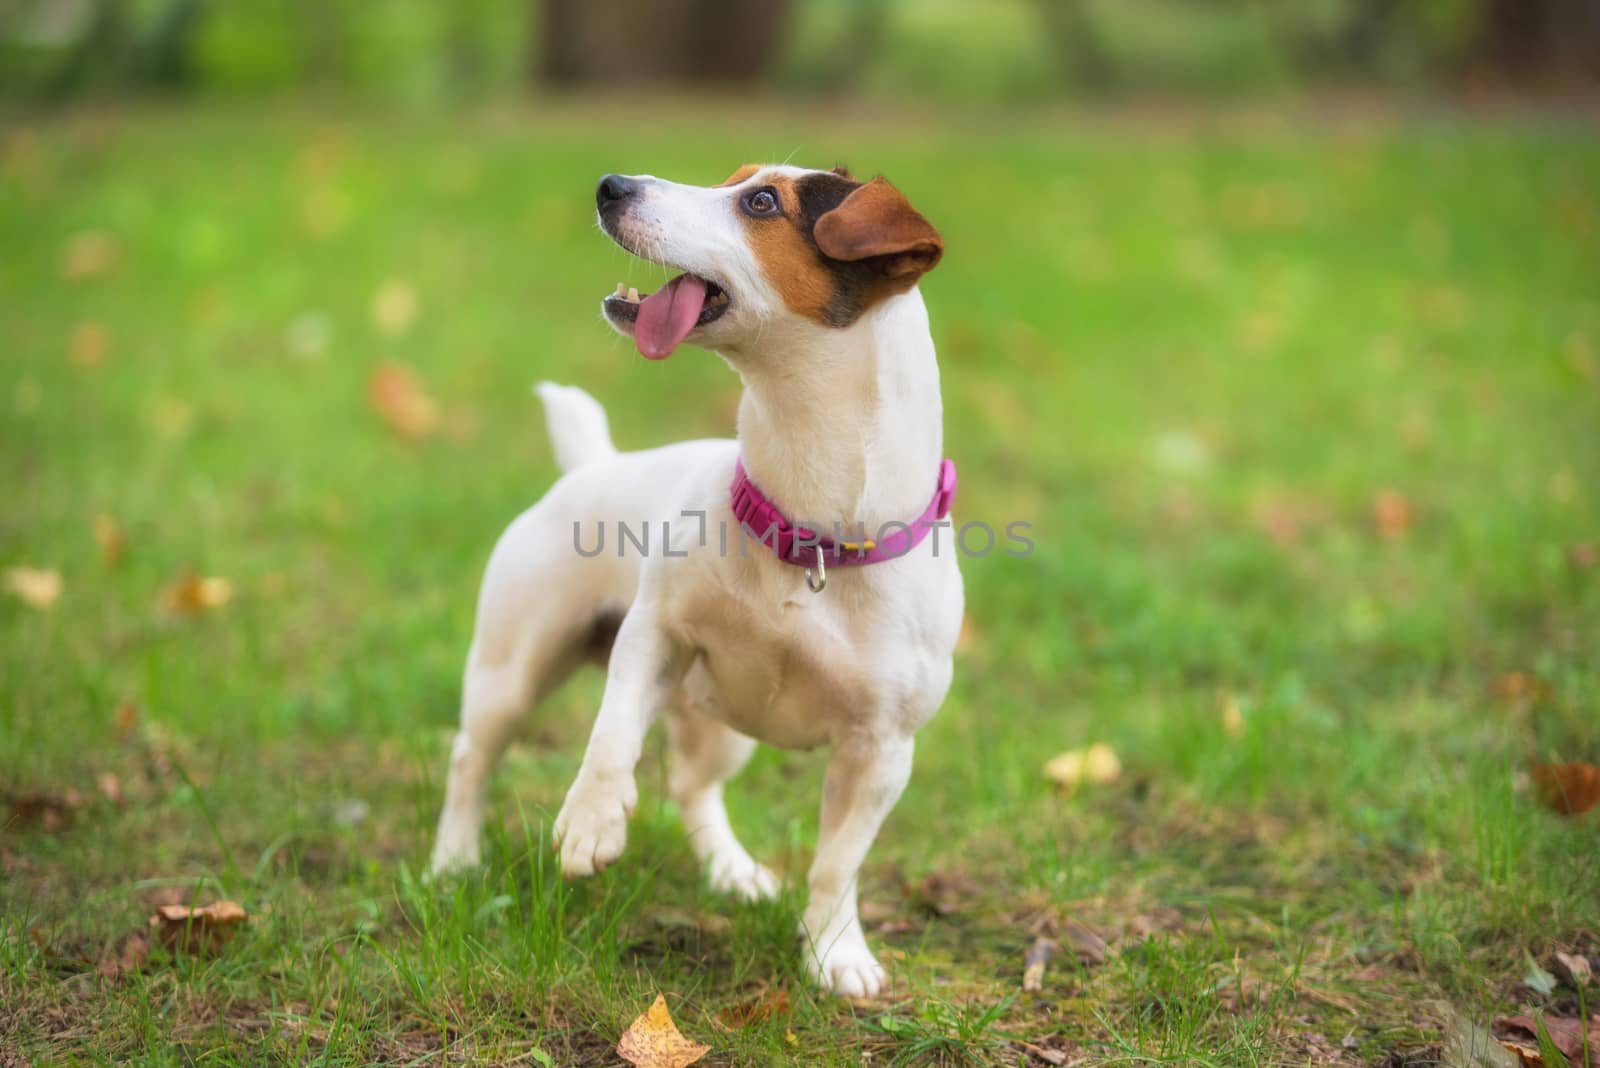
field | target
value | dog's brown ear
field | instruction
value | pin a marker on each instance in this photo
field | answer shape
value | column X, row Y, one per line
column 876, row 223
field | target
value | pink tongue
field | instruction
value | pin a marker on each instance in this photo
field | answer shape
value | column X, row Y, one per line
column 667, row 315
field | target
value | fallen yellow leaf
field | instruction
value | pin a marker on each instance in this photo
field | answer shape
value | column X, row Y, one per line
column 1232, row 717
column 89, row 345
column 397, row 395
column 1097, row 764
column 89, row 255
column 1391, row 513
column 108, row 535
column 394, row 307
column 193, row 594
column 38, row 586
column 194, row 930
column 654, row 1041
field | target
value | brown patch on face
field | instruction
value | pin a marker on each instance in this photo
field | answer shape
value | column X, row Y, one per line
column 789, row 257
column 840, row 246
column 740, row 175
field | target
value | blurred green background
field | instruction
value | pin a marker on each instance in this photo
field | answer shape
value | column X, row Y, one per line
column 994, row 52
column 1279, row 321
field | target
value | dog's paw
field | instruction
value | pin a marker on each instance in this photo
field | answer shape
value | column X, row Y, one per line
column 592, row 827
column 452, row 856
column 742, row 876
column 847, row 970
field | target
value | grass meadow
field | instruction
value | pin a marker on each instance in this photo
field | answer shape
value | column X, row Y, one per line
column 1303, row 407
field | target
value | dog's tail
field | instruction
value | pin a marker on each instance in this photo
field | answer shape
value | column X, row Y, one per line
column 577, row 425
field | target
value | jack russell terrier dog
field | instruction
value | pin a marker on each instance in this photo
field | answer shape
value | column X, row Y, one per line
column 784, row 632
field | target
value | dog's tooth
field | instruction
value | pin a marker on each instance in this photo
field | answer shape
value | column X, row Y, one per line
column 622, row 290
column 633, row 295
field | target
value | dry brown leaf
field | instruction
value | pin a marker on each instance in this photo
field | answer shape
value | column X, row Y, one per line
column 944, row 893
column 195, row 595
column 1574, row 969
column 88, row 346
column 1086, row 942
column 40, row 587
column 110, row 787
column 130, row 957
column 1043, row 1053
column 397, row 395
column 126, row 718
column 1097, row 764
column 50, row 812
column 183, row 928
column 89, row 255
column 1571, row 789
column 108, row 535
column 1520, row 1035
column 394, row 307
column 654, row 1041
column 1391, row 513
column 753, row 1010
column 1517, row 686
column 1034, row 962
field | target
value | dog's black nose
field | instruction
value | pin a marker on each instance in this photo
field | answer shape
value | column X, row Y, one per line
column 613, row 190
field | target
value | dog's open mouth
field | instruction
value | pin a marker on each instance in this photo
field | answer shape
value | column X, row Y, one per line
column 661, row 320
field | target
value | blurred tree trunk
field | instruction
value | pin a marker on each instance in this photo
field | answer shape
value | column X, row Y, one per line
column 1353, row 43
column 1077, row 43
column 166, row 56
column 639, row 42
column 1540, row 40
column 99, row 55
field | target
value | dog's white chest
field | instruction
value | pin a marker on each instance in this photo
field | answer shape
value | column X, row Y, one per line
column 801, row 673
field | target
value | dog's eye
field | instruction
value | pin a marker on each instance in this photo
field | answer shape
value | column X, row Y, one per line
column 761, row 202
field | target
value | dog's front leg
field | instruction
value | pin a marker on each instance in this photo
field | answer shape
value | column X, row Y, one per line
column 864, row 779
column 644, row 670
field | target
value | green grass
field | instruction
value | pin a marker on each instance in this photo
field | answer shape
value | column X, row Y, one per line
column 1192, row 352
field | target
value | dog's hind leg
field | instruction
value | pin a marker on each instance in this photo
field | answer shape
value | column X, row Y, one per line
column 497, row 693
column 538, row 620
column 705, row 754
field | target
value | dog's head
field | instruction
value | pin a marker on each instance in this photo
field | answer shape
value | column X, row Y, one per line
column 771, row 241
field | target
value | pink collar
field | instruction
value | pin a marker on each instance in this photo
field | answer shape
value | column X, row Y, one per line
column 802, row 547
